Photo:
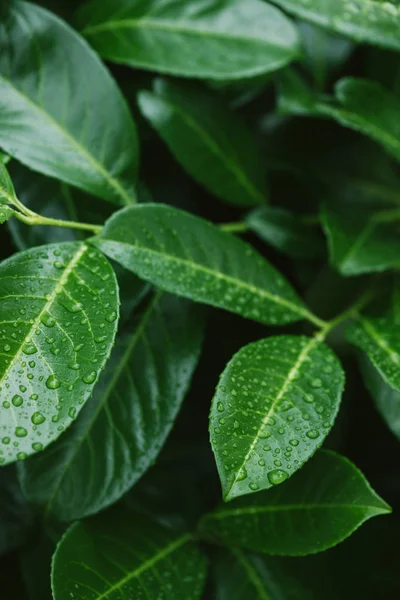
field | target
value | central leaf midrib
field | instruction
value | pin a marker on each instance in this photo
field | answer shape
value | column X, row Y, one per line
column 120, row 369
column 218, row 275
column 291, row 507
column 252, row 573
column 81, row 149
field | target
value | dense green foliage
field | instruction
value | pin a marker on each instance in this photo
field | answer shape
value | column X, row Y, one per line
column 200, row 222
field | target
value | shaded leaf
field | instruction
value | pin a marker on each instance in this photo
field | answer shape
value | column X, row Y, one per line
column 124, row 556
column 387, row 400
column 189, row 256
column 58, row 318
column 127, row 421
column 60, row 111
column 211, row 39
column 370, row 21
column 379, row 338
column 286, row 232
column 369, row 108
column 208, row 139
column 275, row 403
column 319, row 507
column 15, row 517
column 359, row 241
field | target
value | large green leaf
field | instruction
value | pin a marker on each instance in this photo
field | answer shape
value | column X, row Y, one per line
column 7, row 192
column 15, row 517
column 123, row 556
column 286, row 232
column 243, row 575
column 60, row 111
column 319, row 507
column 358, row 241
column 376, row 22
column 379, row 338
column 216, row 39
column 387, row 400
column 128, row 419
column 58, row 318
column 368, row 107
column 189, row 256
column 208, row 139
column 274, row 405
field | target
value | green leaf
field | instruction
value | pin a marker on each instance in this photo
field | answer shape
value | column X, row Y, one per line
column 369, row 108
column 295, row 96
column 243, row 575
column 128, row 419
column 58, row 318
column 375, row 22
column 323, row 504
column 218, row 39
column 379, row 338
column 275, row 403
column 208, row 139
column 124, row 556
column 286, row 232
column 189, row 256
column 5, row 213
column 60, row 111
column 359, row 240
column 15, row 517
column 7, row 192
column 387, row 400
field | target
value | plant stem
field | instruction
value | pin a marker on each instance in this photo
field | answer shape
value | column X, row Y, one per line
column 34, row 219
column 351, row 311
column 236, row 227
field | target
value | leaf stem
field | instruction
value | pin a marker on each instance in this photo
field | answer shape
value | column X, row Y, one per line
column 236, row 227
column 35, row 219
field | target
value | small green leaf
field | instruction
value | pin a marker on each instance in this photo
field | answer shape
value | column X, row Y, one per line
column 368, row 107
column 58, row 317
column 5, row 213
column 358, row 241
column 387, row 400
column 375, row 22
column 243, row 575
column 286, row 232
column 188, row 256
column 7, row 192
column 208, row 139
column 123, row 556
column 216, row 40
column 129, row 417
column 274, row 405
column 379, row 338
column 326, row 501
column 60, row 111
column 295, row 96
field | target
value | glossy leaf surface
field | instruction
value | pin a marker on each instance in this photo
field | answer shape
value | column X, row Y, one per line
column 58, row 318
column 189, row 256
column 379, row 338
column 358, row 241
column 60, row 111
column 318, row 508
column 369, row 108
column 114, row 556
column 370, row 21
column 214, row 39
column 275, row 403
column 122, row 428
column 387, row 400
column 208, row 139
column 286, row 232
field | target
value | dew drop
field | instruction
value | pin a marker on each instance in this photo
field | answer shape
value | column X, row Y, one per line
column 220, row 407
column 53, row 383
column 37, row 418
column 17, row 400
column 37, row 446
column 29, row 348
column 277, row 476
column 312, row 434
column 48, row 320
column 21, row 432
column 90, row 377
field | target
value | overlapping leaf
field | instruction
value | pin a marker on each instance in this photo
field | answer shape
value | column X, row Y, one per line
column 274, row 405
column 208, row 139
column 359, row 241
column 372, row 21
column 123, row 427
column 16, row 518
column 58, row 317
column 126, row 556
column 7, row 192
column 318, row 508
column 216, row 39
column 60, row 111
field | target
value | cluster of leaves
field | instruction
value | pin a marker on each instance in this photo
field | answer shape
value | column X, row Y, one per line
column 275, row 120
